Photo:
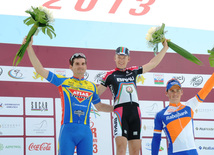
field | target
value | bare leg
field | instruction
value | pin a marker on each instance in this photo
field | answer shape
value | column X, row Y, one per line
column 121, row 144
column 134, row 147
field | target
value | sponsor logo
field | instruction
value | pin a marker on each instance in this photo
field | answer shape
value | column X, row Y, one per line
column 79, row 112
column 39, row 106
column 39, row 147
column 80, row 95
column 196, row 81
column 9, row 126
column 1, row 71
column 15, row 73
column 204, row 129
column 115, row 126
column 37, row 76
column 128, row 73
column 140, row 79
column 180, row 78
column 60, row 72
column 2, row 147
column 148, row 127
column 158, row 79
column 9, row 105
column 129, row 79
column 148, row 147
column 129, row 89
column 177, row 115
column 206, row 147
column 99, row 76
column 41, row 127
column 86, row 75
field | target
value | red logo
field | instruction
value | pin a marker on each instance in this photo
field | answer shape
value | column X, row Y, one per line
column 80, row 95
column 40, row 147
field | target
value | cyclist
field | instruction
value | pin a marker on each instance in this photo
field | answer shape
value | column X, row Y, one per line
column 177, row 119
column 122, row 83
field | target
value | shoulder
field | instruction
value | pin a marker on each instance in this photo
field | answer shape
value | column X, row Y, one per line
column 108, row 73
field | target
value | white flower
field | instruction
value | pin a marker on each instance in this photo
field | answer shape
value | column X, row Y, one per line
column 152, row 30
column 48, row 13
column 148, row 36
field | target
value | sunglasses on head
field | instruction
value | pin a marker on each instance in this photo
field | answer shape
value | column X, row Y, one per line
column 77, row 55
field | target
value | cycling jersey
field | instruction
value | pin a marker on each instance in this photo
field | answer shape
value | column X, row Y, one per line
column 177, row 122
column 76, row 97
column 122, row 84
column 127, row 115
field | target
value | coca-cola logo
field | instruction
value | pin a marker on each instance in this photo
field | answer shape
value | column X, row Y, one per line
column 40, row 147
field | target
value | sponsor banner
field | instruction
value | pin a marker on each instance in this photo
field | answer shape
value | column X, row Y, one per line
column 39, row 106
column 28, row 74
column 148, row 128
column 11, row 126
column 205, row 146
column 150, row 108
column 11, row 106
column 40, row 146
column 39, row 127
column 137, row 12
column 146, row 146
column 204, row 111
column 9, row 146
column 204, row 129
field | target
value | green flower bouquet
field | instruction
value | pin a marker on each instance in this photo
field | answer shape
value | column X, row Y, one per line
column 156, row 35
column 211, row 57
column 41, row 18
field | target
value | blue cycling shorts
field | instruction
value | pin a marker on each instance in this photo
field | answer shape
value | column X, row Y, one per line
column 78, row 135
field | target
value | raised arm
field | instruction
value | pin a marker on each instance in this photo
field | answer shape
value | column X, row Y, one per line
column 157, row 59
column 35, row 61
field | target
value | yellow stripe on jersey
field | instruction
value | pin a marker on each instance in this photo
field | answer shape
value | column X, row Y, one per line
column 69, row 98
column 87, row 110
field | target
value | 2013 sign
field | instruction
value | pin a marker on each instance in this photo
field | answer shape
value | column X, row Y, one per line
column 145, row 7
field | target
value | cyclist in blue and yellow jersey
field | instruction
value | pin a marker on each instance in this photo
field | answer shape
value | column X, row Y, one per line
column 122, row 83
column 76, row 94
column 177, row 120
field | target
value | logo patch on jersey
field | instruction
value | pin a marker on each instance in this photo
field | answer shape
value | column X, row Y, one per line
column 80, row 95
column 129, row 89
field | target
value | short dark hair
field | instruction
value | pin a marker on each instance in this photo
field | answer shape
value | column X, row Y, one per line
column 76, row 56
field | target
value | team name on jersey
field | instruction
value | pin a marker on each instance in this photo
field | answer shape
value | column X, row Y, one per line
column 176, row 115
column 125, row 79
column 80, row 95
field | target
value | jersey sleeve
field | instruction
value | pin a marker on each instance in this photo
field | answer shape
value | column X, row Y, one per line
column 96, row 98
column 208, row 86
column 157, row 134
column 104, row 80
column 55, row 79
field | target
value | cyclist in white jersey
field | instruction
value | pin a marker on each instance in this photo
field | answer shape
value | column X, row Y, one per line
column 177, row 120
column 122, row 83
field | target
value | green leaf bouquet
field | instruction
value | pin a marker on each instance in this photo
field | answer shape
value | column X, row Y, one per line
column 41, row 19
column 156, row 35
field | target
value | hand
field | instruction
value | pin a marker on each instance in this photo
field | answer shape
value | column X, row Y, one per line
column 165, row 44
column 30, row 44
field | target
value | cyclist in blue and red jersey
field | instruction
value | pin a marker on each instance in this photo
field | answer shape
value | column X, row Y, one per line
column 177, row 120
column 76, row 94
column 127, row 115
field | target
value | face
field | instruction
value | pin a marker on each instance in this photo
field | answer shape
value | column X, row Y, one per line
column 79, row 67
column 121, row 61
column 174, row 94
